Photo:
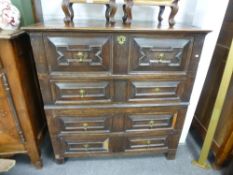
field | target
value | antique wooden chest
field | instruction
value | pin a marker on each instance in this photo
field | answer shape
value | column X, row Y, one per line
column 115, row 90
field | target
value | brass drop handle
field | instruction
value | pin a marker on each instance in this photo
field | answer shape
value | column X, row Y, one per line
column 85, row 125
column 161, row 57
column 151, row 123
column 80, row 56
column 86, row 146
column 157, row 89
column 82, row 93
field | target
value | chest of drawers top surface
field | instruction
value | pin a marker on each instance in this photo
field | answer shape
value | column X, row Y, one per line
column 100, row 26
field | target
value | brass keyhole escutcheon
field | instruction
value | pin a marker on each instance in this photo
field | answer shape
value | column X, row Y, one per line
column 151, row 123
column 85, row 125
column 82, row 93
column 121, row 39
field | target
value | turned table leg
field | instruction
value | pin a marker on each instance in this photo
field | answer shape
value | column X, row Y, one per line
column 68, row 11
column 127, row 9
column 110, row 12
column 174, row 10
column 161, row 11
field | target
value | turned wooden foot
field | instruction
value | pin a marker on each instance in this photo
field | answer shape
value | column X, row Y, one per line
column 68, row 11
column 127, row 9
column 171, row 155
column 174, row 10
column 161, row 11
column 110, row 12
column 38, row 164
column 60, row 160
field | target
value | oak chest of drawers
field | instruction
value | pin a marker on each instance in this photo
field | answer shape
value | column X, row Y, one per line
column 115, row 90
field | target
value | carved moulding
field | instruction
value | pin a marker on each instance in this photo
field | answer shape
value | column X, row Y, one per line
column 173, row 4
column 111, row 7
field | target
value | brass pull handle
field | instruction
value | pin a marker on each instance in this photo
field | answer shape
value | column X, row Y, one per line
column 85, row 125
column 86, row 146
column 157, row 89
column 161, row 57
column 82, row 93
column 121, row 39
column 81, row 57
column 151, row 123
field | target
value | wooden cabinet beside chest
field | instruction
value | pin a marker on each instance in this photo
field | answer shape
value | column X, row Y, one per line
column 22, row 120
column 115, row 90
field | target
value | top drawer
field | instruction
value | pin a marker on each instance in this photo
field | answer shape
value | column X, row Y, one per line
column 159, row 53
column 78, row 53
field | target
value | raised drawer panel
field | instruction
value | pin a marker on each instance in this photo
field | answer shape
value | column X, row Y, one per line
column 72, row 91
column 151, row 121
column 78, row 53
column 159, row 54
column 155, row 90
column 85, row 145
column 84, row 124
column 146, row 143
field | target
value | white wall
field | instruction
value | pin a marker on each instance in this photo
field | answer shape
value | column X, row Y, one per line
column 207, row 14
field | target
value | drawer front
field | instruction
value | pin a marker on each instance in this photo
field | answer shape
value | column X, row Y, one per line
column 155, row 90
column 85, row 144
column 146, row 143
column 79, row 53
column 72, row 91
column 151, row 121
column 159, row 54
column 83, row 124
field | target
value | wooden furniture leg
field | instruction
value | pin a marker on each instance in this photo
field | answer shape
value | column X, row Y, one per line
column 174, row 10
column 225, row 150
column 110, row 12
column 68, row 11
column 127, row 9
column 161, row 11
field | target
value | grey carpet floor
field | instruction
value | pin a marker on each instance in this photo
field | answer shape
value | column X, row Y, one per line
column 149, row 165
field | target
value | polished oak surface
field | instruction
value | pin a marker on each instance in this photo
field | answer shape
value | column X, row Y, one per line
column 115, row 90
column 22, row 121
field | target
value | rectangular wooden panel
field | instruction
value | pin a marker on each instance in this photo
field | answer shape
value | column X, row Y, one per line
column 84, row 124
column 81, row 91
column 159, row 53
column 79, row 53
column 85, row 145
column 151, row 121
column 156, row 90
column 146, row 143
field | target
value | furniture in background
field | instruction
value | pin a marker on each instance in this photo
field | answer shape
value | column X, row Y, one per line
column 111, row 8
column 204, row 109
column 173, row 4
column 67, row 7
column 116, row 90
column 22, row 120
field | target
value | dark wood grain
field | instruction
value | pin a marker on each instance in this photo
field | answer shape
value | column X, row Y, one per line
column 22, row 120
column 112, row 91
